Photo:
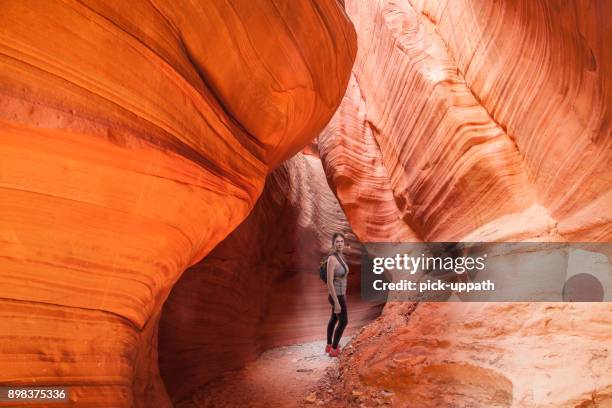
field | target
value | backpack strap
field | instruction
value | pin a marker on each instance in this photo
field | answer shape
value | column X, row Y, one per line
column 342, row 262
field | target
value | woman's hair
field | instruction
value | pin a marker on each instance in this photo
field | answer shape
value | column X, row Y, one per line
column 333, row 241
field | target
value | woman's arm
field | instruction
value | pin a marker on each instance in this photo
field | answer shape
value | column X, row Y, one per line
column 331, row 264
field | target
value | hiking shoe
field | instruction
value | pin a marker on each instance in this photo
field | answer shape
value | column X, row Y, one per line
column 334, row 352
column 328, row 348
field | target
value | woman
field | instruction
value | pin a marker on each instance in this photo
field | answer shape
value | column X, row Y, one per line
column 337, row 271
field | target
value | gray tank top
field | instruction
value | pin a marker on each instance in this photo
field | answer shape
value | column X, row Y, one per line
column 340, row 274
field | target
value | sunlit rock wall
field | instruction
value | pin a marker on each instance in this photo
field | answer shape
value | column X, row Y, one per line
column 484, row 122
column 133, row 138
column 479, row 121
column 259, row 287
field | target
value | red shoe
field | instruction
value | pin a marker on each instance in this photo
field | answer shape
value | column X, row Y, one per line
column 328, row 348
column 334, row 352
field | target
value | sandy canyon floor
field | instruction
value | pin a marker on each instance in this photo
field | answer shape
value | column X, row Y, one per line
column 295, row 375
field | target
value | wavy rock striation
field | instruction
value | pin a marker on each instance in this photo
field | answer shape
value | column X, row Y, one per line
column 456, row 150
column 134, row 137
column 478, row 122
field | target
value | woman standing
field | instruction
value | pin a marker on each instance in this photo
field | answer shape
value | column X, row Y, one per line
column 337, row 271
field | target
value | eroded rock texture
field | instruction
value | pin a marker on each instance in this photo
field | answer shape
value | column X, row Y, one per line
column 259, row 287
column 486, row 355
column 134, row 137
column 479, row 121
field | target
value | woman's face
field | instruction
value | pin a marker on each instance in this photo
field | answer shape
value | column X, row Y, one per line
column 339, row 243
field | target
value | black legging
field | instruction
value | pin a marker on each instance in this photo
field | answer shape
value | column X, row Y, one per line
column 341, row 319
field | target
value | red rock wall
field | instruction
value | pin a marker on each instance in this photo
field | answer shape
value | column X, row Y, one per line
column 134, row 137
column 259, row 287
column 478, row 121
column 464, row 124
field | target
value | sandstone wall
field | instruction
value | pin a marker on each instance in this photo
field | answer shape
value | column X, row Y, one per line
column 483, row 121
column 134, row 137
column 478, row 121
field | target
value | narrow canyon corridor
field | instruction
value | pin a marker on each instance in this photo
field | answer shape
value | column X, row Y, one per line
column 259, row 288
column 173, row 173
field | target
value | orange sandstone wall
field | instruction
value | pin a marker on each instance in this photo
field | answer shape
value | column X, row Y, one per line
column 475, row 120
column 134, row 136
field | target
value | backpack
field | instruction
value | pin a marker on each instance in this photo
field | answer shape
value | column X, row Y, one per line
column 323, row 268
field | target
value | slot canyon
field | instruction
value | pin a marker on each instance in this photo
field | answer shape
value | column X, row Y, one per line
column 172, row 173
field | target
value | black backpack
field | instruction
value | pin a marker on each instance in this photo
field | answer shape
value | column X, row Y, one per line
column 323, row 268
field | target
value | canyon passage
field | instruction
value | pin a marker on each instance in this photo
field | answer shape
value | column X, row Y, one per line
column 172, row 173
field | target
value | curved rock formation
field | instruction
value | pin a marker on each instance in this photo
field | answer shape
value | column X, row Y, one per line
column 479, row 122
column 134, row 137
column 357, row 173
column 259, row 287
column 466, row 125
